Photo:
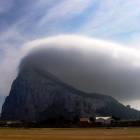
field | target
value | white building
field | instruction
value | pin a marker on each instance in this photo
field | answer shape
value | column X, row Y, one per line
column 103, row 120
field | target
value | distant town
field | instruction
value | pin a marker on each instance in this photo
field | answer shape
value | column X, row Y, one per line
column 99, row 121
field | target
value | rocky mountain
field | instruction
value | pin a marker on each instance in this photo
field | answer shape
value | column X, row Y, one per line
column 39, row 96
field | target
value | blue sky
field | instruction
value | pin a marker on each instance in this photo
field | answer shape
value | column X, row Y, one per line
column 115, row 20
column 25, row 20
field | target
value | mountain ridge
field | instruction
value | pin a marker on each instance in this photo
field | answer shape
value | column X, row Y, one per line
column 37, row 95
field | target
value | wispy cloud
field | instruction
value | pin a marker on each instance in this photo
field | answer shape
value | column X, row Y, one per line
column 110, row 19
column 65, row 10
column 113, row 19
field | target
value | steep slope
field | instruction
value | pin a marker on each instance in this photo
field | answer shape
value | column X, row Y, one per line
column 39, row 96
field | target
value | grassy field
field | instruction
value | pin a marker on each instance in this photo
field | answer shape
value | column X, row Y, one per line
column 70, row 134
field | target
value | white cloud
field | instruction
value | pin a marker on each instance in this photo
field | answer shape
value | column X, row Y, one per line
column 134, row 104
column 9, row 62
column 134, row 40
column 90, row 64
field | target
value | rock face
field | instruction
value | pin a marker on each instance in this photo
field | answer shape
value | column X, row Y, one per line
column 39, row 96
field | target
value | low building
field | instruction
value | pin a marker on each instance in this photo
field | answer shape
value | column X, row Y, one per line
column 13, row 123
column 105, row 121
column 85, row 121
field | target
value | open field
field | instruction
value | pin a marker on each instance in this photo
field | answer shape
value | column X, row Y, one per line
column 70, row 134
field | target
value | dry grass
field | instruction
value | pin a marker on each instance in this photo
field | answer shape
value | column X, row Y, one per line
column 70, row 134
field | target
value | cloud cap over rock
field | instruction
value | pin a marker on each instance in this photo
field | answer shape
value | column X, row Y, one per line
column 88, row 64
